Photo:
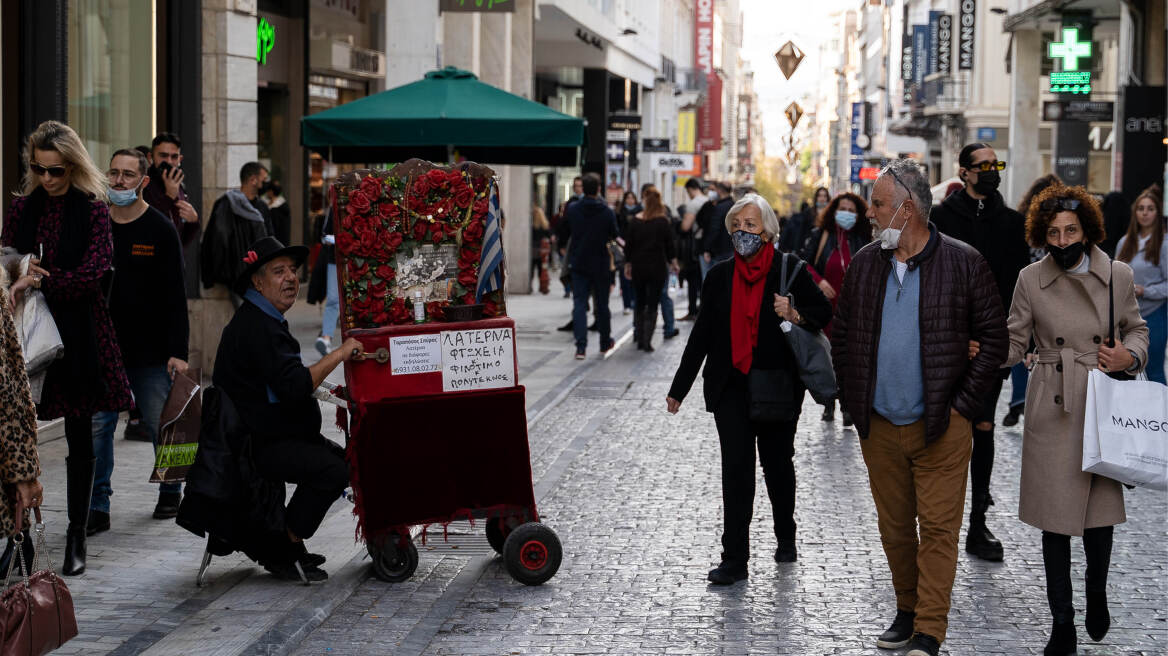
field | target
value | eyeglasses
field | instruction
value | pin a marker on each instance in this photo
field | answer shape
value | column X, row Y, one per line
column 989, row 166
column 55, row 171
column 1068, row 204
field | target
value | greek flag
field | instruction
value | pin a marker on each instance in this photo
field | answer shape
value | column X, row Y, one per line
column 491, row 256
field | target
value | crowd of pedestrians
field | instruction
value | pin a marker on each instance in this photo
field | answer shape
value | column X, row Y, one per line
column 929, row 306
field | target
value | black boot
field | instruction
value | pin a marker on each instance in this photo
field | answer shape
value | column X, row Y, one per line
column 1097, row 545
column 6, row 558
column 829, row 411
column 979, row 541
column 1056, row 558
column 79, row 492
column 650, row 323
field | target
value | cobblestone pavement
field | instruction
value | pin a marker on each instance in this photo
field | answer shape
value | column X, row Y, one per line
column 634, row 495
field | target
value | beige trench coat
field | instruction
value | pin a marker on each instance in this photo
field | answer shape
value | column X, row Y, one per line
column 1066, row 314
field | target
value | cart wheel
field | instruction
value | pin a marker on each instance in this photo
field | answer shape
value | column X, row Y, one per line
column 532, row 553
column 394, row 564
column 498, row 530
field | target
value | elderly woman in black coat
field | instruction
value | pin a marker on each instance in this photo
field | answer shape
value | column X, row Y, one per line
column 751, row 383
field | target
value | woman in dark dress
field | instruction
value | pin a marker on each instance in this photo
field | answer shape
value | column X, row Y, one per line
column 739, row 335
column 841, row 230
column 61, row 215
column 649, row 254
column 626, row 214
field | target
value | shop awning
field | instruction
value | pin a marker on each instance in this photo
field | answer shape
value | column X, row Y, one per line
column 448, row 110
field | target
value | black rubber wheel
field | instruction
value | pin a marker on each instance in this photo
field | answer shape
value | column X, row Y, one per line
column 498, row 530
column 394, row 563
column 532, row 553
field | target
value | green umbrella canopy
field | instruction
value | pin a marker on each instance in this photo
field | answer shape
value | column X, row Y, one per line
column 448, row 108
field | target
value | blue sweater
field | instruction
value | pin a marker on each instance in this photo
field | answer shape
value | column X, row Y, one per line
column 900, row 390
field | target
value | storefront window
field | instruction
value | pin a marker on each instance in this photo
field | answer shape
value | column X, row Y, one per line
column 111, row 74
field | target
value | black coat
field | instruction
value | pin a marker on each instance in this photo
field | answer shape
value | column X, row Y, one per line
column 996, row 231
column 795, row 231
column 717, row 239
column 590, row 226
column 225, row 241
column 256, row 355
column 710, row 339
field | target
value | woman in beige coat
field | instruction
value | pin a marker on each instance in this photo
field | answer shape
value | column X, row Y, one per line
column 1061, row 302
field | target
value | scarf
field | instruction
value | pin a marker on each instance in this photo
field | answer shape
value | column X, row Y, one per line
column 746, row 305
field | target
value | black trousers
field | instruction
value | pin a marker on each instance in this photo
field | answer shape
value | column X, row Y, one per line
column 738, row 436
column 318, row 469
column 692, row 275
column 79, row 437
column 981, row 461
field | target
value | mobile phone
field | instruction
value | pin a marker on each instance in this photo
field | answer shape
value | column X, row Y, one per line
column 163, row 167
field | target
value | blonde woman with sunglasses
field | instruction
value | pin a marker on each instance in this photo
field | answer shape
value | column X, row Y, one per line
column 61, row 216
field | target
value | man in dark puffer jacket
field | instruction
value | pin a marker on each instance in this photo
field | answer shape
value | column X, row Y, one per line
column 978, row 216
column 909, row 308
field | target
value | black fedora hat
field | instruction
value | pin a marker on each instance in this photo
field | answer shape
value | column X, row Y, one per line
column 260, row 253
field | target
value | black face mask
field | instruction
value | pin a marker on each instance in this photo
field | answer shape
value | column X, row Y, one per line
column 1067, row 257
column 987, row 182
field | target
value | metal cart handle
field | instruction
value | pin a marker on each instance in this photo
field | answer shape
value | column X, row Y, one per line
column 381, row 355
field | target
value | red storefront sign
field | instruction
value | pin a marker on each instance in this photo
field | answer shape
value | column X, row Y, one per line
column 710, row 112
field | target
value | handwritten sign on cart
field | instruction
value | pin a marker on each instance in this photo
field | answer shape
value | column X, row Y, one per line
column 415, row 354
column 477, row 359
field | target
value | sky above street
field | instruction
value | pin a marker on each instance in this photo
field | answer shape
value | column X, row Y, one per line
column 768, row 25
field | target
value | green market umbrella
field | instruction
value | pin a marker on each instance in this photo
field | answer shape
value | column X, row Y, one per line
column 449, row 110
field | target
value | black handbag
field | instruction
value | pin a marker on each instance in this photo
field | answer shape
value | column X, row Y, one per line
column 772, row 397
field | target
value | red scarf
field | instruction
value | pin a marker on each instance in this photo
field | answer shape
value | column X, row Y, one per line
column 746, row 303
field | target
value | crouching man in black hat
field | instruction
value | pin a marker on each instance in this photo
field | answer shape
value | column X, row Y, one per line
column 258, row 367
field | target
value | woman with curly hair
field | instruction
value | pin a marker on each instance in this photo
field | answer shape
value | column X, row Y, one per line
column 1146, row 250
column 1059, row 302
column 841, row 230
column 61, row 215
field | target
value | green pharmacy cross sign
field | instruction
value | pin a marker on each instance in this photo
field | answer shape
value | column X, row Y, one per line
column 1070, row 50
column 265, row 41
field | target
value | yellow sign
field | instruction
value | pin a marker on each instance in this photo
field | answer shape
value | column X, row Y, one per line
column 687, row 122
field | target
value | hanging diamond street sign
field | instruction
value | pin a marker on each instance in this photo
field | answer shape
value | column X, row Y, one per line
column 789, row 56
column 794, row 112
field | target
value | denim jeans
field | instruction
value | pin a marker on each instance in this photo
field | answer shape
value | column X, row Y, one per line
column 1157, row 337
column 150, row 385
column 666, row 309
column 332, row 309
column 628, row 297
column 1019, row 376
column 594, row 285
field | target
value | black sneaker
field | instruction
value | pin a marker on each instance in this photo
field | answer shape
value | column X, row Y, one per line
column 899, row 633
column 167, row 506
column 566, row 328
column 847, row 417
column 136, row 432
column 923, row 644
column 606, row 346
column 579, row 355
column 726, row 574
column 672, row 333
column 98, row 521
column 786, row 552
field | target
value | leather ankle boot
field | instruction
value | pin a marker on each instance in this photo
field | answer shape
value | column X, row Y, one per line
column 1063, row 641
column 79, row 484
column 978, row 540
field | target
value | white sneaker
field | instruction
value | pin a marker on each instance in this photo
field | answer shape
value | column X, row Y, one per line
column 323, row 344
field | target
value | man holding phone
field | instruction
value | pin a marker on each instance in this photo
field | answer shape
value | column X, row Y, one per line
column 165, row 192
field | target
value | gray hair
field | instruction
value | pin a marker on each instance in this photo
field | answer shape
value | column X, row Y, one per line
column 908, row 176
column 770, row 222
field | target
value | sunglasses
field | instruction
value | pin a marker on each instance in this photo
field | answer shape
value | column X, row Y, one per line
column 55, row 171
column 989, row 166
column 1068, row 204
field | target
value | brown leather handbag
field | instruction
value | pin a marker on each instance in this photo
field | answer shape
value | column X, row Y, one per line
column 36, row 614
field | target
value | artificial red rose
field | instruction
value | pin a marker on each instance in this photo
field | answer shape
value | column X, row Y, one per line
column 357, row 272
column 388, row 211
column 436, row 310
column 377, row 290
column 398, row 313
column 480, row 208
column 463, row 197
column 436, row 237
column 420, row 227
column 468, row 298
column 369, row 241
column 454, row 177
column 490, row 309
column 358, row 202
column 467, row 259
column 393, row 241
column 436, row 177
column 473, row 232
column 345, row 243
column 385, row 272
column 421, row 187
column 468, row 278
column 371, row 187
